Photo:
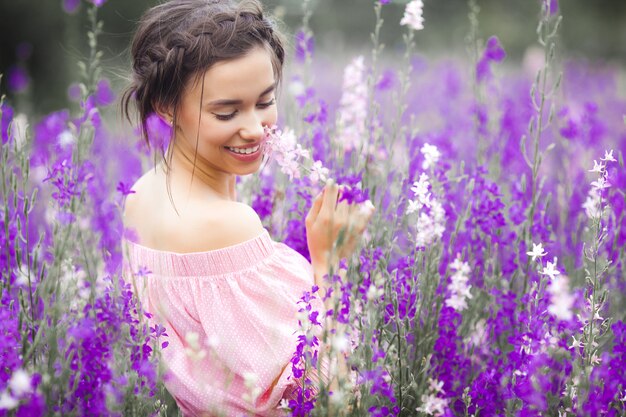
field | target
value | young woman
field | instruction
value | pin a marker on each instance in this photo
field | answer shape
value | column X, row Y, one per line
column 223, row 289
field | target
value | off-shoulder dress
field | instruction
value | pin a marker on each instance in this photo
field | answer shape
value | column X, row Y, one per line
column 231, row 319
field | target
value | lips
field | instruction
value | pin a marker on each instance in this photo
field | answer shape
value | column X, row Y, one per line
column 244, row 150
column 246, row 153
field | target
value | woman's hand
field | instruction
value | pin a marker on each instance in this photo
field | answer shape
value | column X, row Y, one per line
column 334, row 229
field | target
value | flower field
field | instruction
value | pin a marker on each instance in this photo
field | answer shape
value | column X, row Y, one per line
column 491, row 280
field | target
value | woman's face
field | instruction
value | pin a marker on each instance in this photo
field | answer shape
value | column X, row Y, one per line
column 237, row 101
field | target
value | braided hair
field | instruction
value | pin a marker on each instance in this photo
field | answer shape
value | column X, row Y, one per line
column 179, row 40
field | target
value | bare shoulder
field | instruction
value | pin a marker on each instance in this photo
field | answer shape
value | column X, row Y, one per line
column 134, row 201
column 225, row 223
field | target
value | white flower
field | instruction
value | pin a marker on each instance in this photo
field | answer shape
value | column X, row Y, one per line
column 608, row 156
column 430, row 226
column 550, row 269
column 597, row 167
column 600, row 184
column 66, row 138
column 7, row 402
column 459, row 290
column 537, row 251
column 576, row 343
column 20, row 383
column 413, row 15
column 284, row 404
column 281, row 146
column 420, row 190
column 318, row 173
column 592, row 204
column 561, row 301
column 353, row 106
column 431, row 155
column 432, row 405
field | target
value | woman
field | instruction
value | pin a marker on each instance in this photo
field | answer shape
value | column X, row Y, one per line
column 224, row 290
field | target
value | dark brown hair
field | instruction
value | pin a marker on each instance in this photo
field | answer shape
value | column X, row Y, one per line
column 179, row 40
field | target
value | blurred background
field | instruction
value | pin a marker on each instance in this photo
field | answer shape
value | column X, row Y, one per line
column 41, row 41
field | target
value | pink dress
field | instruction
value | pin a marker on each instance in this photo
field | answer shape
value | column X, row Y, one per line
column 230, row 315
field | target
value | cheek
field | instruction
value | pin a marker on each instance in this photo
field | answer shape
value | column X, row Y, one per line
column 272, row 116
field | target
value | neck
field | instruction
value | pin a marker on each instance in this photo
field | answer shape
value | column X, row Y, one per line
column 193, row 173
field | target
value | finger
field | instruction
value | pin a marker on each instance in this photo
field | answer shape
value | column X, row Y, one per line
column 314, row 211
column 330, row 199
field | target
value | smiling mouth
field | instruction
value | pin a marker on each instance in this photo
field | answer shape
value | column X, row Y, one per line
column 244, row 151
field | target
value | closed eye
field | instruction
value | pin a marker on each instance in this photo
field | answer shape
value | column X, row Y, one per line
column 266, row 104
column 225, row 117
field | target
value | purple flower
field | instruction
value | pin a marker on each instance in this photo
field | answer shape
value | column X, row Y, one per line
column 17, row 79
column 74, row 92
column 305, row 45
column 159, row 132
column 71, row 6
column 493, row 53
column 98, row 3
column 7, row 116
column 104, row 95
column 124, row 189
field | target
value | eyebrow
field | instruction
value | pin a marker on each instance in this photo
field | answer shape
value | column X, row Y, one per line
column 231, row 102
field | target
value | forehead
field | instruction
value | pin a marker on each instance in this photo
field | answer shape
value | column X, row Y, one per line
column 239, row 78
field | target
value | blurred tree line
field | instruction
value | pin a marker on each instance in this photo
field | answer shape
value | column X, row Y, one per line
column 44, row 42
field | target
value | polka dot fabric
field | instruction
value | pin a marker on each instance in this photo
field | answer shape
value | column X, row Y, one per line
column 230, row 316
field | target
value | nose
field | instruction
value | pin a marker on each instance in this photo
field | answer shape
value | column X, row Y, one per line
column 252, row 127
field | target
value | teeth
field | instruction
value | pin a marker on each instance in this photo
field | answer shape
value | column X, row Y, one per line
column 243, row 151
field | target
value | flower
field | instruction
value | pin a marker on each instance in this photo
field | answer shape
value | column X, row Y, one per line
column 281, row 146
column 550, row 269
column 17, row 79
column 459, row 290
column 608, row 156
column 7, row 402
column 561, row 301
column 353, row 106
column 20, row 383
column 537, row 252
column 318, row 173
column 493, row 53
column 413, row 15
column 599, row 168
column 431, row 155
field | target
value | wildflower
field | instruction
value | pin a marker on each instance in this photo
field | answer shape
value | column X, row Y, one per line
column 305, row 45
column 537, row 252
column 430, row 226
column 20, row 383
column 17, row 79
column 576, row 343
column 608, row 156
column 7, row 402
column 459, row 290
column 318, row 173
column 561, row 300
column 413, row 15
column 71, row 6
column 433, row 405
column 353, row 106
column 104, row 95
column 599, row 168
column 550, row 269
column 600, row 184
column 493, row 53
column 281, row 146
column 420, row 190
column 124, row 189
column 431, row 155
